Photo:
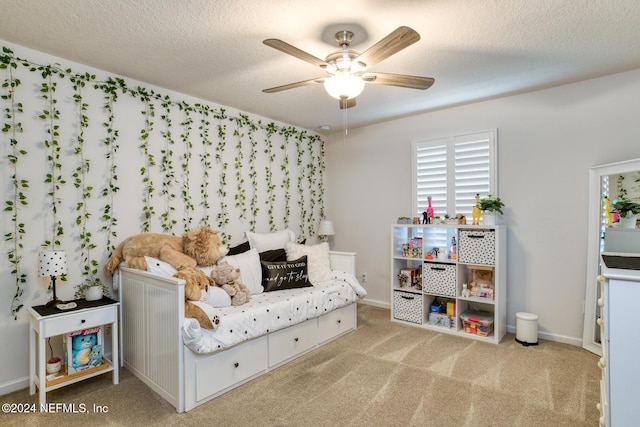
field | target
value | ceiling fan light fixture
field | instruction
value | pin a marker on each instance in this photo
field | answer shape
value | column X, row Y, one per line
column 343, row 85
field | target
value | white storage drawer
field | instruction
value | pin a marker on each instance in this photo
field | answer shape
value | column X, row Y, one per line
column 439, row 279
column 289, row 342
column 337, row 322
column 407, row 306
column 88, row 319
column 217, row 372
column 477, row 247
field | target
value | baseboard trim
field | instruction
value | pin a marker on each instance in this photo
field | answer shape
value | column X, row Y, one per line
column 14, row 385
column 380, row 304
column 552, row 337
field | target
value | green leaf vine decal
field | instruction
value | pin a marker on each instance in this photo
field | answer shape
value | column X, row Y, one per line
column 186, row 158
column 301, row 173
column 287, row 133
column 168, row 173
column 51, row 116
column 253, row 173
column 271, row 196
column 110, row 90
column 205, row 159
column 145, row 171
column 12, row 127
column 90, row 266
column 223, row 215
column 240, row 196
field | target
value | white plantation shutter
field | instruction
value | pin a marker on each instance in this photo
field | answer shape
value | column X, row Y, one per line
column 452, row 171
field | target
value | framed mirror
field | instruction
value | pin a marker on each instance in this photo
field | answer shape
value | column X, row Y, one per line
column 597, row 176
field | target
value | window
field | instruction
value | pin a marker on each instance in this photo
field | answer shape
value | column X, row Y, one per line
column 452, row 171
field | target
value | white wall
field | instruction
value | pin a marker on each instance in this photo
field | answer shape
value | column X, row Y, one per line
column 547, row 141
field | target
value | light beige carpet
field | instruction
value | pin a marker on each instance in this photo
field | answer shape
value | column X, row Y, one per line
column 382, row 374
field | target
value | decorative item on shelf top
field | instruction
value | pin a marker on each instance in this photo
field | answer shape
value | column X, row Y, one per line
column 404, row 220
column 490, row 206
column 428, row 214
column 53, row 263
column 92, row 290
column 627, row 210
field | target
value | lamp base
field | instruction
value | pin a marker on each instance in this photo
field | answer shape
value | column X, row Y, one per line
column 53, row 303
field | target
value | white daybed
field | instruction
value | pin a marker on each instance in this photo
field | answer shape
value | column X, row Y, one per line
column 188, row 366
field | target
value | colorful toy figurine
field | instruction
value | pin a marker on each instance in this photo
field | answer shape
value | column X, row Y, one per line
column 428, row 214
column 476, row 212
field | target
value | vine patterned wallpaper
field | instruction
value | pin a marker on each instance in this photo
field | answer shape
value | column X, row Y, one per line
column 87, row 161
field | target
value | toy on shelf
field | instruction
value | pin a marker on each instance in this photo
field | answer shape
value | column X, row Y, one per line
column 482, row 285
column 453, row 251
column 476, row 212
column 428, row 214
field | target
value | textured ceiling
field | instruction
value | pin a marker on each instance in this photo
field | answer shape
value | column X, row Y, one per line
column 213, row 50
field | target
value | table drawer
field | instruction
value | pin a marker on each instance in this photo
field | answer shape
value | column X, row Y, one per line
column 79, row 320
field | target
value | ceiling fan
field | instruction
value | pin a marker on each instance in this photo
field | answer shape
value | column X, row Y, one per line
column 347, row 69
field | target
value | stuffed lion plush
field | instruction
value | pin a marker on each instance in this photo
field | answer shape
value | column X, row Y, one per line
column 200, row 246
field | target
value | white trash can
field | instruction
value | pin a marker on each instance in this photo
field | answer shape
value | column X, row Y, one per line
column 527, row 328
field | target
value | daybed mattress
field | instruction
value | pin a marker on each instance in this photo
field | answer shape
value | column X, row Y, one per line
column 270, row 311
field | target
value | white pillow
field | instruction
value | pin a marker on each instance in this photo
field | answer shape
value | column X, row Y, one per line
column 268, row 241
column 158, row 267
column 218, row 297
column 250, row 269
column 318, row 266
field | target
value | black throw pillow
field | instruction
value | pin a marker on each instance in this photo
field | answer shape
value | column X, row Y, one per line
column 285, row 274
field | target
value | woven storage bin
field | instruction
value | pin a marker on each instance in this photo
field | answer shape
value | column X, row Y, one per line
column 477, row 247
column 407, row 306
column 439, row 279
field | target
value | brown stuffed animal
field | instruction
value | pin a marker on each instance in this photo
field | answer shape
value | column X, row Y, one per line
column 227, row 277
column 195, row 289
column 200, row 246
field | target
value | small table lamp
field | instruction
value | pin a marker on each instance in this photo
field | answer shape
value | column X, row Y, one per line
column 326, row 229
column 53, row 263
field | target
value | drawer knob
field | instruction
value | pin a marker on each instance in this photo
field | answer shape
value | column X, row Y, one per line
column 82, row 321
column 235, row 365
column 339, row 320
column 296, row 339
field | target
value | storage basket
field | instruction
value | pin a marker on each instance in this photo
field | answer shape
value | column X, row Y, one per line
column 477, row 247
column 407, row 306
column 477, row 322
column 439, row 279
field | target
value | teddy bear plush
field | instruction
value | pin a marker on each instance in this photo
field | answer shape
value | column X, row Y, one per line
column 195, row 289
column 228, row 278
column 200, row 246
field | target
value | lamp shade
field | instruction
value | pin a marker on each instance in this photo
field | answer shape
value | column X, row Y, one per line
column 344, row 85
column 53, row 263
column 326, row 228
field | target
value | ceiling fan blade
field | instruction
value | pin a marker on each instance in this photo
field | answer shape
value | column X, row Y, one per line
column 294, row 51
column 293, row 85
column 347, row 103
column 401, row 80
column 397, row 40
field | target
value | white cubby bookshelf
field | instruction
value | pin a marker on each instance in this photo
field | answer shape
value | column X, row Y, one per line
column 479, row 248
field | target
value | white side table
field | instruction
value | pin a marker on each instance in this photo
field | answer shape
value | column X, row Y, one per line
column 49, row 322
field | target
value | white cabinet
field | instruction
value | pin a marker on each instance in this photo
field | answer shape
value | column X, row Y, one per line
column 620, row 329
column 45, row 322
column 463, row 291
